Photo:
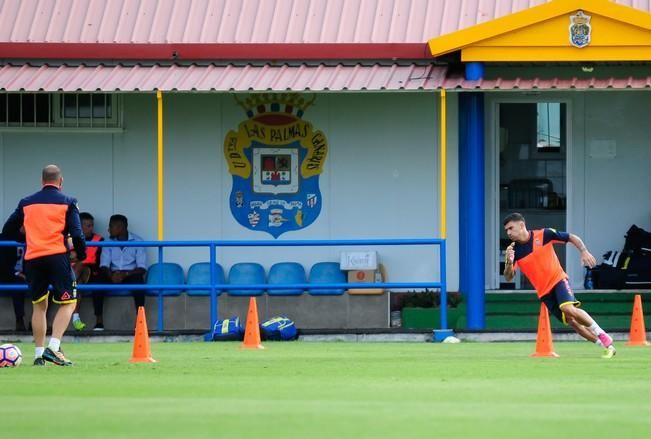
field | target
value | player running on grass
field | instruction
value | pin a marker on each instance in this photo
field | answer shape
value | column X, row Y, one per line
column 532, row 252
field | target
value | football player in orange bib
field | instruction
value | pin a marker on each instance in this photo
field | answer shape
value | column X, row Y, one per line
column 532, row 252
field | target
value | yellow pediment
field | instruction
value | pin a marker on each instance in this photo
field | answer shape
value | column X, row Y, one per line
column 547, row 33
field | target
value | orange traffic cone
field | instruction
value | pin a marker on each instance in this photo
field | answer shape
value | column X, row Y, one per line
column 544, row 344
column 141, row 351
column 252, row 330
column 637, row 336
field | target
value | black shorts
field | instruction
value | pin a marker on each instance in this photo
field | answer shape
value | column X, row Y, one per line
column 559, row 296
column 54, row 270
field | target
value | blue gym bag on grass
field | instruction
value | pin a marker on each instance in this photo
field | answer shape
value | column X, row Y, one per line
column 279, row 328
column 228, row 329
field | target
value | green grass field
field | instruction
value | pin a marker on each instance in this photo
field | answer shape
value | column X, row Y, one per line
column 329, row 390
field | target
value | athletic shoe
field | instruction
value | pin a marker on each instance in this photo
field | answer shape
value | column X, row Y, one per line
column 78, row 325
column 39, row 361
column 609, row 352
column 56, row 358
column 605, row 339
column 98, row 327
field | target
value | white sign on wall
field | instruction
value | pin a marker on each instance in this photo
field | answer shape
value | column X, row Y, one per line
column 603, row 149
column 358, row 260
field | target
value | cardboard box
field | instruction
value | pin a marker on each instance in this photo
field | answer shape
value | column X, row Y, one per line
column 366, row 277
column 362, row 276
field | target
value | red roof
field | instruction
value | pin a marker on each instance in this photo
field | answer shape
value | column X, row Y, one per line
column 241, row 29
column 185, row 31
column 549, row 84
column 244, row 21
column 229, row 77
column 250, row 21
column 275, row 77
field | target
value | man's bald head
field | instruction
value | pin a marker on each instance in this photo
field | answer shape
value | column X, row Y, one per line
column 52, row 175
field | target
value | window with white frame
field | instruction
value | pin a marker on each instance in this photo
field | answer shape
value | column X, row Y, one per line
column 59, row 110
column 549, row 126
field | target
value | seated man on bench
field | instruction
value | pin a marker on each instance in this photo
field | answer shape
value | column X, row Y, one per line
column 120, row 265
column 11, row 272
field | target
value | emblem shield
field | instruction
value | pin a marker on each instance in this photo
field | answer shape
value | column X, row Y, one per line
column 580, row 30
column 275, row 159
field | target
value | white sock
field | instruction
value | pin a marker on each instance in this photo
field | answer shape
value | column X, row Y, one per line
column 55, row 344
column 38, row 352
column 75, row 317
column 596, row 329
column 599, row 343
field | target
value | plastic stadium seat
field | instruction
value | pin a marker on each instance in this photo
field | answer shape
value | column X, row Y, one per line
column 199, row 274
column 286, row 273
column 172, row 275
column 244, row 273
column 326, row 272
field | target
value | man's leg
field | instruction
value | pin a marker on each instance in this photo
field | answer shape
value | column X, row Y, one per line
column 98, row 307
column 62, row 319
column 38, row 289
column 583, row 318
column 569, row 306
column 64, row 294
column 582, row 330
column 39, row 327
column 82, row 274
column 18, row 298
column 138, row 295
column 98, row 300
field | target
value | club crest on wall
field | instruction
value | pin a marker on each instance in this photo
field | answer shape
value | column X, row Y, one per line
column 275, row 158
column 580, row 30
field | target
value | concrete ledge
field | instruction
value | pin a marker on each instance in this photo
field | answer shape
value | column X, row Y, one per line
column 358, row 335
column 185, row 312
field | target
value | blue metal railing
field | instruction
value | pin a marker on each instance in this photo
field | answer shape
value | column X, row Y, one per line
column 213, row 287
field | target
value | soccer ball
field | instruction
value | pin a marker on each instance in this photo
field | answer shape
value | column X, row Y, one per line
column 10, row 355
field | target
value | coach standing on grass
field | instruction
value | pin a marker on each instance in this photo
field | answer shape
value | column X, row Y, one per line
column 49, row 216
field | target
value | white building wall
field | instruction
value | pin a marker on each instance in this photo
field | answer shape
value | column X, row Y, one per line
column 617, row 183
column 380, row 179
column 608, row 183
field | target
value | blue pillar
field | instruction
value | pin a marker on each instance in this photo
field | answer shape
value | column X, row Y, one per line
column 471, row 206
column 474, row 71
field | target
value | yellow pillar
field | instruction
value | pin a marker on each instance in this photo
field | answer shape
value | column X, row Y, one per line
column 159, row 98
column 443, row 171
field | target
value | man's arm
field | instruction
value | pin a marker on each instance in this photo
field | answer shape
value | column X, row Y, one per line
column 137, row 270
column 586, row 257
column 99, row 256
column 11, row 228
column 73, row 224
column 141, row 260
column 509, row 270
column 105, row 261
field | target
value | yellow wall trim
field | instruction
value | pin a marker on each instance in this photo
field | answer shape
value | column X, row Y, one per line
column 550, row 54
column 618, row 33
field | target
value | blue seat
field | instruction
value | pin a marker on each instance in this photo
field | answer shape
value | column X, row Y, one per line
column 199, row 274
column 286, row 273
column 172, row 275
column 244, row 273
column 326, row 272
